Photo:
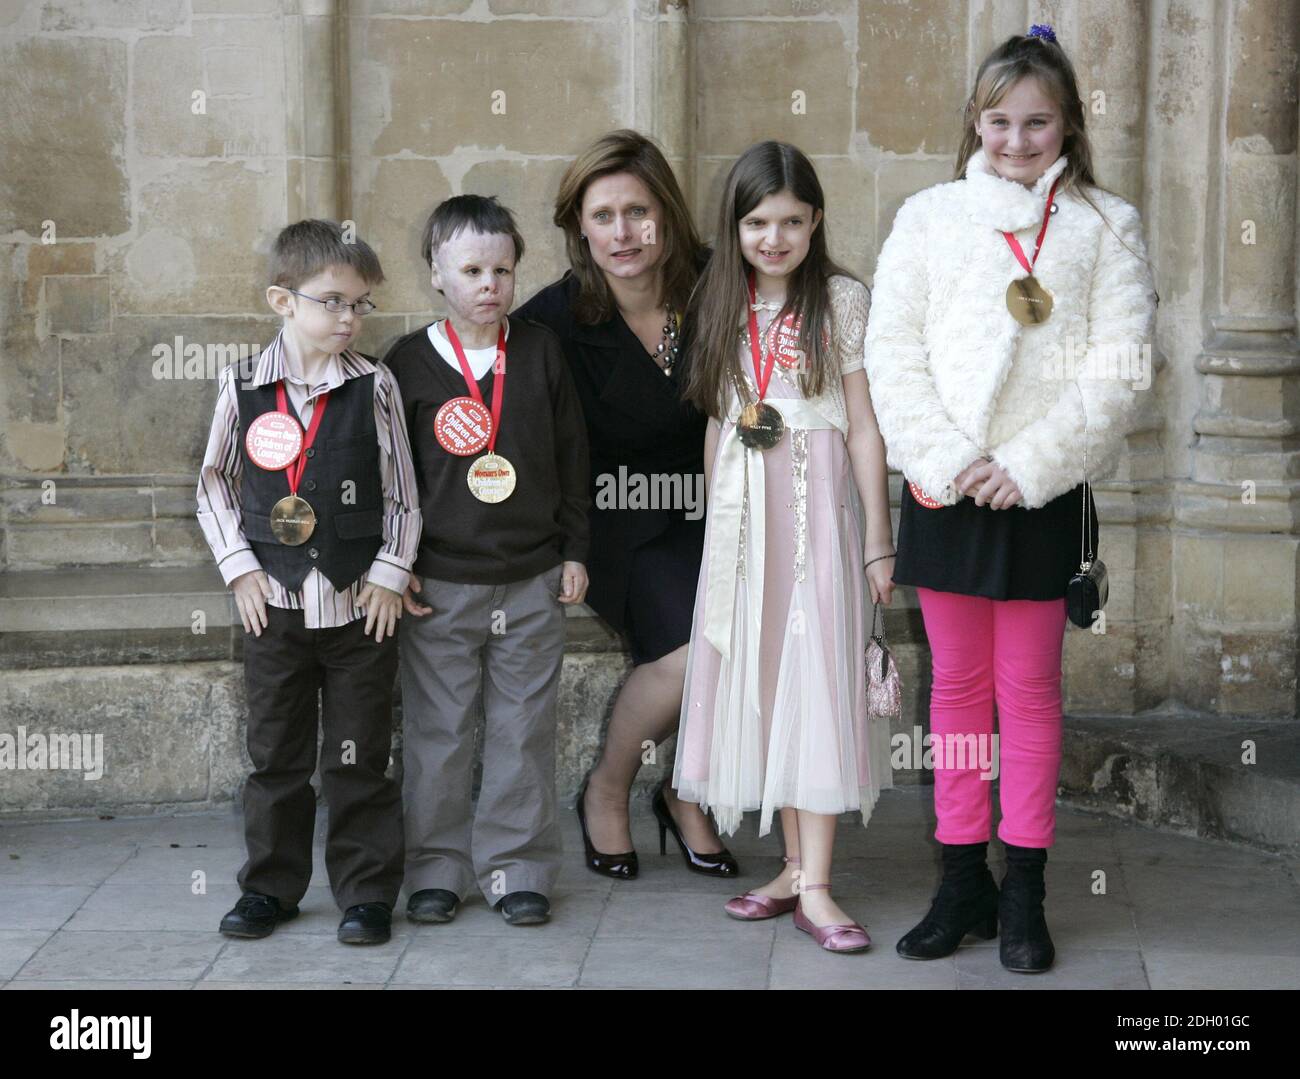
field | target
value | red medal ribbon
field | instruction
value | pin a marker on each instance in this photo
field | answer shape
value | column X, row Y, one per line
column 1014, row 244
column 762, row 373
column 294, row 472
column 498, row 384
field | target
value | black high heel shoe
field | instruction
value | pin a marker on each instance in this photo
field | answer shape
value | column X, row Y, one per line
column 718, row 863
column 619, row 866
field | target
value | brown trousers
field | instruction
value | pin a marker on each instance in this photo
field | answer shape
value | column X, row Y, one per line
column 284, row 669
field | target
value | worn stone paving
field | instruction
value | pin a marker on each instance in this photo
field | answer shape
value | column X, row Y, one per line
column 93, row 903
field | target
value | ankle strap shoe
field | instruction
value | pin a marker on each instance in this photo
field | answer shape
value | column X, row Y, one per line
column 848, row 937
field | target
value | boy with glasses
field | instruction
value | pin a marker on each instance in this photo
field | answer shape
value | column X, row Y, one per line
column 307, row 498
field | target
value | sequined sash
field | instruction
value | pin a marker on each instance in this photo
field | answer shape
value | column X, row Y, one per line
column 738, row 482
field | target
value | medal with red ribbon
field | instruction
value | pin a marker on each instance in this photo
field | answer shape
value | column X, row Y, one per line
column 783, row 336
column 760, row 426
column 273, row 440
column 292, row 518
column 1029, row 303
column 463, row 426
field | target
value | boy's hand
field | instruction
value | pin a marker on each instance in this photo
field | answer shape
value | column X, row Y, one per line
column 383, row 608
column 252, row 590
column 573, row 583
column 413, row 588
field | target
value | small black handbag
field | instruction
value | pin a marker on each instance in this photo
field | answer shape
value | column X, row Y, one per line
column 1086, row 593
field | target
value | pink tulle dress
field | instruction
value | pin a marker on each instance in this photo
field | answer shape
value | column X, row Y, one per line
column 774, row 712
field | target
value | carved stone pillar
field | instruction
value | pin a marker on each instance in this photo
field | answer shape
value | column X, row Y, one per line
column 1235, row 538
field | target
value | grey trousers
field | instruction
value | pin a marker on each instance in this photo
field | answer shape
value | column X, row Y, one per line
column 507, row 640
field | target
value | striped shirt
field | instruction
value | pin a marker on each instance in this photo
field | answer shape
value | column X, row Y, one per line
column 219, row 511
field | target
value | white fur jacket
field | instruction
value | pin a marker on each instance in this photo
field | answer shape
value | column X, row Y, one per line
column 955, row 377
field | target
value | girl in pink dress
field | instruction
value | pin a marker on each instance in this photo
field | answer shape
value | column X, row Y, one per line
column 774, row 715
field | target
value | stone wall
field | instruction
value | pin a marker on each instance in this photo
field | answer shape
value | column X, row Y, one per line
column 153, row 148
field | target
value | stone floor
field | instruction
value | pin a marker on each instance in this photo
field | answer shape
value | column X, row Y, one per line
column 112, row 903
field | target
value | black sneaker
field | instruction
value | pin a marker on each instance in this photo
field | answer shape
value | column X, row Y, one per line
column 525, row 908
column 432, row 905
column 366, row 923
column 255, row 916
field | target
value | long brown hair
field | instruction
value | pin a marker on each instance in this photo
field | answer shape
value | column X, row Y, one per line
column 718, row 307
column 628, row 151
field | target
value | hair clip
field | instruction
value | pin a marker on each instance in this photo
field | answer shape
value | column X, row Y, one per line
column 1043, row 30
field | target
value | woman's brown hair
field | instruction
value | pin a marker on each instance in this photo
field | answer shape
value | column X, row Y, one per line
column 718, row 307
column 631, row 152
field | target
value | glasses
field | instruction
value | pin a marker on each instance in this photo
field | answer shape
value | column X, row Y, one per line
column 335, row 306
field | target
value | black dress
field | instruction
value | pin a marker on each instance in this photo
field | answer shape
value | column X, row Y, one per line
column 644, row 564
column 999, row 554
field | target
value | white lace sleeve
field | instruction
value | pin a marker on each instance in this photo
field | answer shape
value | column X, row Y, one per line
column 849, row 303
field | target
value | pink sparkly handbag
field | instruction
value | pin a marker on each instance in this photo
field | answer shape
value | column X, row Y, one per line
column 884, row 692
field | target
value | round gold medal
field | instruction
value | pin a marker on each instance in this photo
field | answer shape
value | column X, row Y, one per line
column 292, row 520
column 760, row 426
column 1029, row 303
column 491, row 478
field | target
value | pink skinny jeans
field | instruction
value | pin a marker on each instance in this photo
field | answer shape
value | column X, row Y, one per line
column 1008, row 650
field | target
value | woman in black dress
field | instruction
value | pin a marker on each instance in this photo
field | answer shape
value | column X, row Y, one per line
column 635, row 256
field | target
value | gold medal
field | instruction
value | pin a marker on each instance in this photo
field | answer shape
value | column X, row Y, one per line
column 1029, row 303
column 292, row 520
column 491, row 478
column 760, row 426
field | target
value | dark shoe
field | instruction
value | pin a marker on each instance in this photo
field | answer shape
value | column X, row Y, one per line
column 525, row 908
column 1025, row 947
column 619, row 866
column 255, row 916
column 716, row 863
column 432, row 905
column 967, row 902
column 366, row 923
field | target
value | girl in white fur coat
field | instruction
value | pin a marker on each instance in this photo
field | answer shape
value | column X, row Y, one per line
column 988, row 397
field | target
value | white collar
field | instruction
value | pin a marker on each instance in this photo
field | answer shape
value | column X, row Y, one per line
column 276, row 363
column 1004, row 204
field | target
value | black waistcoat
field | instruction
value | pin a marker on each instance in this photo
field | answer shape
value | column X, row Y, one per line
column 341, row 482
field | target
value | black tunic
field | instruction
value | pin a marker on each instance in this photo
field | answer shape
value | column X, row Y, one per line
column 999, row 554
column 644, row 564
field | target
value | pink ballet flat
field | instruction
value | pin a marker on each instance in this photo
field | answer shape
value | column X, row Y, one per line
column 833, row 938
column 752, row 907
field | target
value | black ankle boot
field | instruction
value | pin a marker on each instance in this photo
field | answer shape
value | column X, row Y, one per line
column 967, row 902
column 1025, row 947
